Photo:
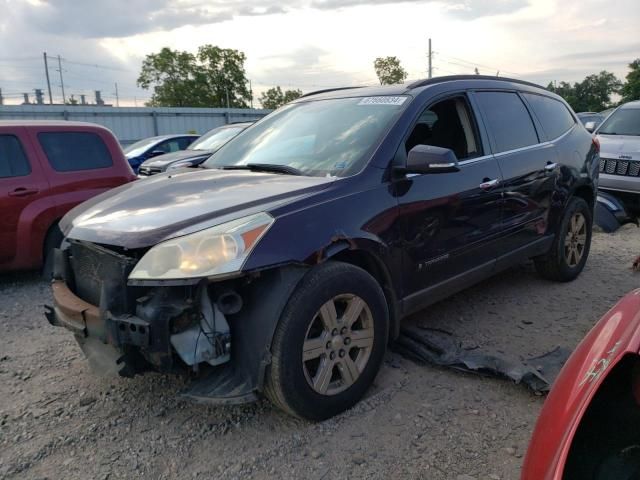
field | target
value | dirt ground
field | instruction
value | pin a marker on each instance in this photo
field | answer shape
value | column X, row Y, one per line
column 58, row 420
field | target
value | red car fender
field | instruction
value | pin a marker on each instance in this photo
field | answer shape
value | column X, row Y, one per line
column 614, row 336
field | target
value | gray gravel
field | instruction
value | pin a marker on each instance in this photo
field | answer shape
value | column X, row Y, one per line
column 59, row 420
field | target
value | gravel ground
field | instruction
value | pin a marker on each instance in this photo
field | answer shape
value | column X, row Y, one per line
column 58, row 420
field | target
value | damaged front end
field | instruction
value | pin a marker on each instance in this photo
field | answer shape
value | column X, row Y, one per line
column 217, row 332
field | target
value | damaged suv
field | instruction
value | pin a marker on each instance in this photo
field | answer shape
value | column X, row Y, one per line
column 283, row 265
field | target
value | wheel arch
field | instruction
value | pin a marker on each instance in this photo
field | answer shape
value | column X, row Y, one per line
column 587, row 193
column 375, row 267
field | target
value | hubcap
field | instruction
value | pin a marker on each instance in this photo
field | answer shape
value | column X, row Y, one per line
column 575, row 240
column 338, row 344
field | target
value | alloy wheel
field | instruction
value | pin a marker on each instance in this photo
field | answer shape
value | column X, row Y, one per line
column 338, row 344
column 575, row 240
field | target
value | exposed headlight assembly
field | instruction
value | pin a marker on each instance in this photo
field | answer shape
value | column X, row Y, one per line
column 215, row 251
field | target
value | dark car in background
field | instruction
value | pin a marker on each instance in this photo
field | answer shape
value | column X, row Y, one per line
column 591, row 120
column 147, row 148
column 284, row 265
column 46, row 169
column 196, row 153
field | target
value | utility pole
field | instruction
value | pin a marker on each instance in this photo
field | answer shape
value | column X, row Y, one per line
column 64, row 99
column 430, row 61
column 117, row 97
column 1, row 98
column 227, row 92
column 251, row 92
column 46, row 72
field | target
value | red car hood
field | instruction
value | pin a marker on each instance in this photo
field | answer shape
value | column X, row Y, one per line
column 614, row 336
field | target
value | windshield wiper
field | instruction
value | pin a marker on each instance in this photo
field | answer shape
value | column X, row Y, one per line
column 264, row 167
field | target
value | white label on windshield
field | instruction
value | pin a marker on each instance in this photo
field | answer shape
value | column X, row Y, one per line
column 382, row 100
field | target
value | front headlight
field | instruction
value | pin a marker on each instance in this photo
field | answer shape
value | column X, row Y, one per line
column 214, row 251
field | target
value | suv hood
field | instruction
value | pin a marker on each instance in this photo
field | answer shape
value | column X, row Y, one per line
column 617, row 146
column 144, row 213
column 164, row 160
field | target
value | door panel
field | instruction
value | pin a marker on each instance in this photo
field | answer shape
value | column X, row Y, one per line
column 78, row 162
column 22, row 185
column 450, row 223
column 528, row 190
column 528, row 167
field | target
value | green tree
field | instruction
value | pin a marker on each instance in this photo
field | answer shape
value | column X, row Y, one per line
column 275, row 97
column 221, row 70
column 593, row 94
column 389, row 70
column 215, row 77
column 631, row 89
column 72, row 101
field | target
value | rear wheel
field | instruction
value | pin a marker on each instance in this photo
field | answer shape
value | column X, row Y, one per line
column 568, row 254
column 329, row 343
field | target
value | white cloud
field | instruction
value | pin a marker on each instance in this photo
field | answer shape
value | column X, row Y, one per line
column 310, row 44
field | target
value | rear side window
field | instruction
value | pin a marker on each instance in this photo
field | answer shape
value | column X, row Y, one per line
column 508, row 119
column 13, row 161
column 552, row 114
column 168, row 146
column 185, row 142
column 71, row 151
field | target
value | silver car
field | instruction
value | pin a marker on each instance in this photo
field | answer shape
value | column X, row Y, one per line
column 619, row 137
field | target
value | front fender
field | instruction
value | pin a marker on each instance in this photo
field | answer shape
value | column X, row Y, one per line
column 614, row 336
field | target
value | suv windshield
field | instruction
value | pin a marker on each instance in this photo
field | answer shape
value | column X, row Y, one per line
column 318, row 138
column 624, row 121
column 215, row 138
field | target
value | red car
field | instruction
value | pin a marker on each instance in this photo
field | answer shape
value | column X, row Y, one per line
column 47, row 168
column 589, row 427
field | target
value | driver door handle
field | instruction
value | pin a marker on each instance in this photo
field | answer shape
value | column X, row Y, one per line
column 23, row 192
column 489, row 184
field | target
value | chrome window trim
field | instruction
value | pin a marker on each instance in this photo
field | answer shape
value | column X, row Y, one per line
column 473, row 160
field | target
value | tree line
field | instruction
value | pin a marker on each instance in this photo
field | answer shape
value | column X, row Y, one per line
column 213, row 77
column 216, row 77
column 593, row 94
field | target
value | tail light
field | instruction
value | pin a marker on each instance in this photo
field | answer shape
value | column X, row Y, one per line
column 596, row 144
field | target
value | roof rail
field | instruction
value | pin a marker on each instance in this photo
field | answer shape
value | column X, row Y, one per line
column 448, row 78
column 316, row 92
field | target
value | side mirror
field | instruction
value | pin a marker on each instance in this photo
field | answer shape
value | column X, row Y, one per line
column 590, row 126
column 430, row 159
column 155, row 153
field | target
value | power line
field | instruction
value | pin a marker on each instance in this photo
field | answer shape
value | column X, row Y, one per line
column 474, row 64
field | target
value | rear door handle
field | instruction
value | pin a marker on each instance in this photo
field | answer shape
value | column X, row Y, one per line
column 550, row 166
column 489, row 184
column 23, row 192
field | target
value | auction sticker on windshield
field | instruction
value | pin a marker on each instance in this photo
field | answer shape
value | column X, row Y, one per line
column 382, row 100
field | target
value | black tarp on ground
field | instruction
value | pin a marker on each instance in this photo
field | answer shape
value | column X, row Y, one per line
column 432, row 345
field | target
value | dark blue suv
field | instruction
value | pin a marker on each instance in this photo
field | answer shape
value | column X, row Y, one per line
column 284, row 264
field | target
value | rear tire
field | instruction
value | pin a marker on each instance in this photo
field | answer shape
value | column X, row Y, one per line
column 52, row 241
column 329, row 343
column 570, row 250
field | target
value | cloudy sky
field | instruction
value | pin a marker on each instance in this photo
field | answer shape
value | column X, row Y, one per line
column 312, row 44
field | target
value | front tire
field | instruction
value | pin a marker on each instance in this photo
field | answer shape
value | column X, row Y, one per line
column 329, row 343
column 568, row 254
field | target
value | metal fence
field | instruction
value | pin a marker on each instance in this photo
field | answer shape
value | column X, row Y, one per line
column 130, row 124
